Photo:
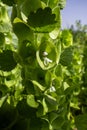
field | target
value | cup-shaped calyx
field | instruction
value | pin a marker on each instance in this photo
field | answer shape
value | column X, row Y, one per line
column 48, row 54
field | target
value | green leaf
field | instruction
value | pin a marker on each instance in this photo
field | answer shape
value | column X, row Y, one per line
column 58, row 70
column 3, row 99
column 51, row 3
column 28, row 6
column 42, row 17
column 56, row 82
column 47, row 104
column 44, row 29
column 5, row 27
column 4, row 18
column 22, row 30
column 58, row 122
column 69, row 89
column 7, row 62
column 35, row 73
column 38, row 85
column 52, row 116
column 66, row 125
column 40, row 76
column 48, row 78
column 66, row 38
column 27, row 52
column 31, row 101
column 42, row 20
column 54, row 33
column 45, row 108
column 57, row 12
column 81, row 122
column 66, row 56
column 55, row 3
column 51, row 99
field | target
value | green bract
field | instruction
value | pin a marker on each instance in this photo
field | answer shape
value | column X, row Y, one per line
column 66, row 38
column 66, row 57
column 22, row 30
column 36, row 19
column 42, row 20
column 54, row 3
column 43, row 76
column 28, row 6
column 47, row 55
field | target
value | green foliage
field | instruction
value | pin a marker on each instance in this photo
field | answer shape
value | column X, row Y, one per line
column 22, row 30
column 42, row 74
column 28, row 6
column 81, row 122
column 36, row 19
column 47, row 54
column 42, row 20
column 66, row 56
column 66, row 38
column 52, row 4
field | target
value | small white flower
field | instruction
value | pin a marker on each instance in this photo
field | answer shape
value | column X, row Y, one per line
column 47, row 61
column 52, row 89
column 45, row 53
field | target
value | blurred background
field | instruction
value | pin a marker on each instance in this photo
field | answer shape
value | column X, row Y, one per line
column 75, row 10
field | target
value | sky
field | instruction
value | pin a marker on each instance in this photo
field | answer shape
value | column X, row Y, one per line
column 74, row 10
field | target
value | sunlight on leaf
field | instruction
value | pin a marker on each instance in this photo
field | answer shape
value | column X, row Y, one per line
column 31, row 101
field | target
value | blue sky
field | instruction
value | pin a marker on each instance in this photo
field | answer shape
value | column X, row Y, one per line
column 74, row 10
